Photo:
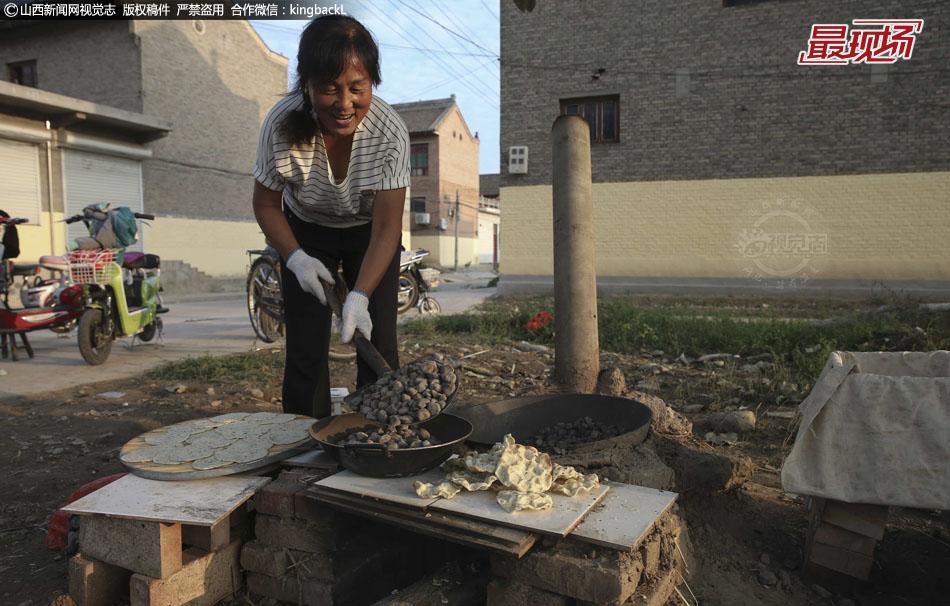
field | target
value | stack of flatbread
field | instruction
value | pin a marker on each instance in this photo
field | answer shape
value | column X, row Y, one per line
column 237, row 437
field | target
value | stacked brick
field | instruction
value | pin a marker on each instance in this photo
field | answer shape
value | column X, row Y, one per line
column 572, row 573
column 842, row 539
column 156, row 564
column 307, row 553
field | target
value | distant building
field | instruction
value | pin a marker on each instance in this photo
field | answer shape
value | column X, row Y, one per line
column 489, row 221
column 157, row 115
column 716, row 159
column 444, row 196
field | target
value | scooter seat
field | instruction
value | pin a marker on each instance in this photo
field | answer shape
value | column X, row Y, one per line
column 137, row 260
column 25, row 269
column 54, row 262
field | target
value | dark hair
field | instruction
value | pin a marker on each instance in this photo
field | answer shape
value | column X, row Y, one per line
column 327, row 45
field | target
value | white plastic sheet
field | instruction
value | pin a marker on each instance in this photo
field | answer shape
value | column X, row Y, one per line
column 876, row 429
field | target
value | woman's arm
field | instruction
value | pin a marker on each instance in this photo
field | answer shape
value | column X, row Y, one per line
column 270, row 216
column 384, row 239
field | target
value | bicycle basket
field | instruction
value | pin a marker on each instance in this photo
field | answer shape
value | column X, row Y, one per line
column 92, row 266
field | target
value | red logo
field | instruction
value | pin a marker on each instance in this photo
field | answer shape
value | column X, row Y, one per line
column 875, row 41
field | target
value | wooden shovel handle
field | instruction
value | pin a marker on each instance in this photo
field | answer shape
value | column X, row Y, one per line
column 364, row 348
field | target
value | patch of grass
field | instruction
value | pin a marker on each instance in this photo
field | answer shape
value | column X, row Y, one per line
column 258, row 367
column 799, row 348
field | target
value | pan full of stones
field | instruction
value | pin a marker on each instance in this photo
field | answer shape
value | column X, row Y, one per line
column 221, row 445
column 415, row 393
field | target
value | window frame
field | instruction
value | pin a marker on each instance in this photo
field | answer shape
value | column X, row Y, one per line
column 599, row 101
column 414, row 169
column 416, row 199
column 14, row 66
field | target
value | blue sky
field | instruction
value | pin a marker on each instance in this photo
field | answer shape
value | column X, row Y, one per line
column 454, row 50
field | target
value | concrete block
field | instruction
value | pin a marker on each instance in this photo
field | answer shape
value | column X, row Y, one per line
column 302, row 535
column 277, row 498
column 150, row 548
column 289, row 589
column 504, row 592
column 602, row 576
column 96, row 583
column 204, row 580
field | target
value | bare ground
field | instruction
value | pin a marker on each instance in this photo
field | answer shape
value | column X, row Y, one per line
column 55, row 443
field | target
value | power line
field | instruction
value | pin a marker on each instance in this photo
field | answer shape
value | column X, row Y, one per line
column 477, row 91
column 411, row 96
column 453, row 32
column 459, row 53
column 490, row 11
column 458, row 23
column 440, row 61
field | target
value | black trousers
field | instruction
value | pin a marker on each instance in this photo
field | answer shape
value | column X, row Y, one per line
column 306, row 388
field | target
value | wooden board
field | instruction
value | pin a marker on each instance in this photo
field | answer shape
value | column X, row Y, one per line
column 493, row 531
column 315, row 459
column 624, row 517
column 421, row 523
column 559, row 521
column 395, row 490
column 185, row 471
column 197, row 502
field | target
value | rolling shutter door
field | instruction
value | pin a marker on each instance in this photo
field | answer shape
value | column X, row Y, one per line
column 92, row 178
column 20, row 179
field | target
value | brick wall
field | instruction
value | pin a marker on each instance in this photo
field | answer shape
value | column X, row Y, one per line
column 743, row 108
column 94, row 60
column 215, row 87
column 885, row 226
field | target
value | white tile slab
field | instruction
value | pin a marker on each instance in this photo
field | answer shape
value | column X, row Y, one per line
column 395, row 490
column 315, row 458
column 197, row 502
column 559, row 520
column 624, row 517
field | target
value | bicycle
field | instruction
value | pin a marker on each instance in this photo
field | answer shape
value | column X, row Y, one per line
column 265, row 302
column 413, row 289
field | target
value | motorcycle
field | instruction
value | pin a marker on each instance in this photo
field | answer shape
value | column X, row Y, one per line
column 53, row 304
column 120, row 290
column 413, row 289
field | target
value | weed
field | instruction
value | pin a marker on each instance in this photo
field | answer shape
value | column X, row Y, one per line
column 256, row 367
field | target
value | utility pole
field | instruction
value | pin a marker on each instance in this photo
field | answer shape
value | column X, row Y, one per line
column 576, row 347
column 456, row 230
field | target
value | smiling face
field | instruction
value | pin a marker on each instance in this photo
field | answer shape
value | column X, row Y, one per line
column 342, row 103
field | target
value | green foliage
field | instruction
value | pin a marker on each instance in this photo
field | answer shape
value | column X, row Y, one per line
column 258, row 367
column 799, row 347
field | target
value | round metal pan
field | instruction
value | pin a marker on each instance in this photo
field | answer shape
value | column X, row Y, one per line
column 379, row 462
column 524, row 417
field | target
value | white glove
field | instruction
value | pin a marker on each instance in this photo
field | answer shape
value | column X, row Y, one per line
column 356, row 316
column 309, row 271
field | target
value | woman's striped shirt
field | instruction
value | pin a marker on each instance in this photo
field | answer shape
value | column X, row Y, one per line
column 379, row 160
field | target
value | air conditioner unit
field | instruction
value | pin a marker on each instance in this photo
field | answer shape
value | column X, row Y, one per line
column 423, row 219
column 443, row 224
column 518, row 160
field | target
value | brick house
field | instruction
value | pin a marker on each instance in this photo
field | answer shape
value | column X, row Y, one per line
column 444, row 164
column 208, row 84
column 489, row 220
column 717, row 160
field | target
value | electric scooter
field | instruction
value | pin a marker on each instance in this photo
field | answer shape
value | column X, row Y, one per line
column 120, row 289
column 57, row 308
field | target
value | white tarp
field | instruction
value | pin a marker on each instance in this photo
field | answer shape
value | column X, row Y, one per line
column 876, row 429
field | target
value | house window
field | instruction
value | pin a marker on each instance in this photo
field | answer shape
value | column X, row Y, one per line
column 417, row 205
column 22, row 72
column 601, row 113
column 419, row 159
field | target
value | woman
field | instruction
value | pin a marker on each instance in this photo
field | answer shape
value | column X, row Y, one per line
column 331, row 176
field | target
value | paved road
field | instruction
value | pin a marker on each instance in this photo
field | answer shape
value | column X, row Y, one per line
column 216, row 325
